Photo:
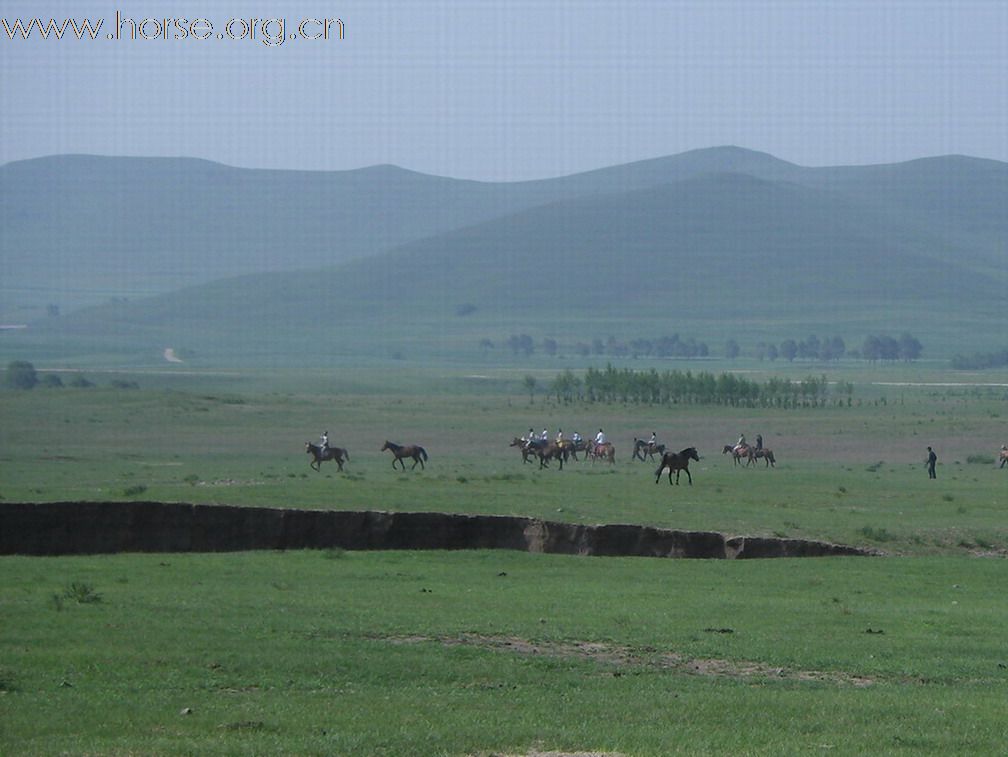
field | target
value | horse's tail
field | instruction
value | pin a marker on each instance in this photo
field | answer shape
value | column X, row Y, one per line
column 423, row 453
column 346, row 454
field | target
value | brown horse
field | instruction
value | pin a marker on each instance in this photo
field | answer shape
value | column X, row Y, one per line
column 574, row 447
column 319, row 455
column 739, row 452
column 766, row 454
column 526, row 449
column 677, row 461
column 604, row 451
column 550, row 451
column 418, row 453
column 1004, row 457
column 642, row 448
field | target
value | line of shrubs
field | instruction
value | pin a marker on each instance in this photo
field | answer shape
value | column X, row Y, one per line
column 20, row 374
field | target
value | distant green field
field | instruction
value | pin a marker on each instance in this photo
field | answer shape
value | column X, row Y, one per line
column 848, row 474
column 499, row 652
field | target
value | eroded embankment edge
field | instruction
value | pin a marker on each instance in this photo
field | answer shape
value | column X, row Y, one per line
column 69, row 528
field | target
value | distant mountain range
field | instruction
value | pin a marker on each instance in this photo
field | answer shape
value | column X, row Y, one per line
column 718, row 235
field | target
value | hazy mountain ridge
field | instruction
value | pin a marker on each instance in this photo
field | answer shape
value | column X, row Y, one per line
column 712, row 234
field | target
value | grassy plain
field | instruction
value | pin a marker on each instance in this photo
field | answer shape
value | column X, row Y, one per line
column 847, row 474
column 500, row 653
column 496, row 652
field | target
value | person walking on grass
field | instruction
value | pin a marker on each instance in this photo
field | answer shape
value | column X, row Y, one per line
column 932, row 458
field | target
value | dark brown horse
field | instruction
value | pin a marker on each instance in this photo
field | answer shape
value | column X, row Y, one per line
column 642, row 448
column 418, row 453
column 745, row 451
column 766, row 454
column 319, row 455
column 550, row 451
column 677, row 461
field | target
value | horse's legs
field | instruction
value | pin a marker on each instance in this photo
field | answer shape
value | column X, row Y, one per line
column 689, row 476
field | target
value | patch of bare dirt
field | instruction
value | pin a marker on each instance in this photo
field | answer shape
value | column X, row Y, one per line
column 619, row 656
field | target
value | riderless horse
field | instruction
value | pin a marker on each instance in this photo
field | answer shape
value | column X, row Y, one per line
column 677, row 461
column 415, row 451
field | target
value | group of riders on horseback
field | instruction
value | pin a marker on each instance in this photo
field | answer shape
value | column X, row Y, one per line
column 750, row 453
column 560, row 447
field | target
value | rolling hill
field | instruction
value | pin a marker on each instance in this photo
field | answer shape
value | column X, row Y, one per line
column 79, row 230
column 381, row 261
column 708, row 255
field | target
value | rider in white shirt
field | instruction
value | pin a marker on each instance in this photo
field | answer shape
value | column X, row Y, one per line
column 600, row 440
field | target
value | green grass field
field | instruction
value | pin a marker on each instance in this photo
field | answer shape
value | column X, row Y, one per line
column 498, row 652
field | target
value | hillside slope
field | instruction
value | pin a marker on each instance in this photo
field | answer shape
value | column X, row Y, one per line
column 78, row 230
column 723, row 248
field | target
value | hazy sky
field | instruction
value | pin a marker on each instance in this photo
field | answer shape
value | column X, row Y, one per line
column 490, row 89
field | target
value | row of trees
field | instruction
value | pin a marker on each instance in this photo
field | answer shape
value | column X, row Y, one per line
column 811, row 348
column 980, row 360
column 678, row 387
column 665, row 346
column 906, row 348
column 874, row 348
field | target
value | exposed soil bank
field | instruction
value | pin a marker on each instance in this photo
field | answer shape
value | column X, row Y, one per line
column 68, row 528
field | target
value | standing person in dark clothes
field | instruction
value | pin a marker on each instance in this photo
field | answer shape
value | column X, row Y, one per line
column 932, row 458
